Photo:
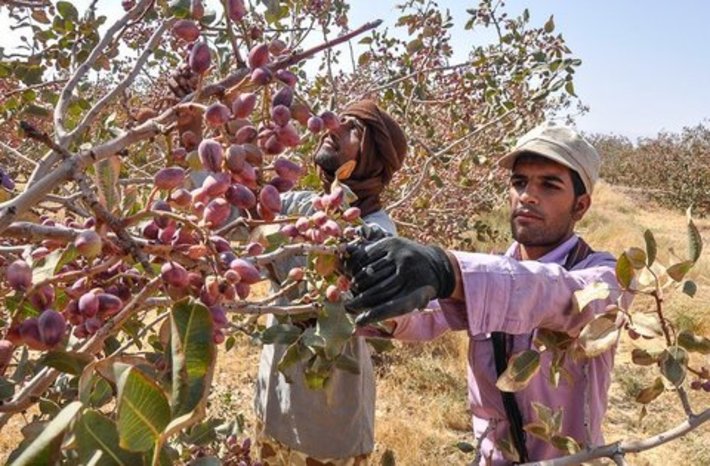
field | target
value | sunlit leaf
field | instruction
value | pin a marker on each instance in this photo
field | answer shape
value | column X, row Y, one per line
column 565, row 443
column 550, row 24
column 678, row 271
column 143, row 410
column 193, row 355
column 646, row 325
column 522, row 367
column 592, row 292
column 649, row 394
column 599, row 335
column 107, row 174
column 637, row 257
column 624, row 271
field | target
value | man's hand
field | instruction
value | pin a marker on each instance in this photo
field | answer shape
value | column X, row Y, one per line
column 395, row 276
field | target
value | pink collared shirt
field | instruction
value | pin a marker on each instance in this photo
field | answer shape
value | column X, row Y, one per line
column 517, row 297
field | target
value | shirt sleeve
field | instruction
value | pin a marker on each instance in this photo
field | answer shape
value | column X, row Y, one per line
column 506, row 295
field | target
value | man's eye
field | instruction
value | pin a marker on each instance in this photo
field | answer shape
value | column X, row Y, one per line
column 517, row 183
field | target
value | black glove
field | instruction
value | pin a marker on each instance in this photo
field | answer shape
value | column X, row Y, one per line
column 372, row 232
column 395, row 276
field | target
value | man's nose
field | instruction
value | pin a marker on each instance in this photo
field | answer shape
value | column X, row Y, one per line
column 528, row 196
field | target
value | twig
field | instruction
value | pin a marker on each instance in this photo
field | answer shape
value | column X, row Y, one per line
column 289, row 250
column 255, row 309
column 103, row 215
column 286, row 289
column 18, row 155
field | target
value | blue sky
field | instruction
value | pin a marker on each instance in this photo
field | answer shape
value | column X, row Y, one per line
column 646, row 64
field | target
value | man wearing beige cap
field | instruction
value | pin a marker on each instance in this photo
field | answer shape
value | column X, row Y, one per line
column 503, row 301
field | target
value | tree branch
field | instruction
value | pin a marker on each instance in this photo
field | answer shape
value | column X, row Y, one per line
column 629, row 446
column 65, row 95
column 99, row 106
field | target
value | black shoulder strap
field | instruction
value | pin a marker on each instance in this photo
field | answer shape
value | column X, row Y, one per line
column 500, row 342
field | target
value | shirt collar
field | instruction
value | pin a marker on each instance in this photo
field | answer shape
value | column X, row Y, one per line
column 557, row 255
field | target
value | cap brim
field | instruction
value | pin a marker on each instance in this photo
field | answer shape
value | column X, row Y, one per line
column 508, row 160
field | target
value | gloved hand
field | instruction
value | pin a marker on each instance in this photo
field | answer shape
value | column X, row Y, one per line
column 395, row 276
column 372, row 232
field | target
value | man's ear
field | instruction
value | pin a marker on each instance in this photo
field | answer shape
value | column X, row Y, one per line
column 581, row 206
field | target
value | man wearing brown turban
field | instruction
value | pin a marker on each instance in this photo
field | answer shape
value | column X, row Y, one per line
column 335, row 426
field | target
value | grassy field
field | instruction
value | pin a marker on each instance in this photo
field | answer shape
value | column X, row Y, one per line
column 422, row 409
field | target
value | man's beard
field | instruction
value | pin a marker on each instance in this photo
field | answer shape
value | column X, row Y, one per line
column 538, row 237
column 328, row 161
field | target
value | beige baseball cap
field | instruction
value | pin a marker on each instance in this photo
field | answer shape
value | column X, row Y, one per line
column 563, row 145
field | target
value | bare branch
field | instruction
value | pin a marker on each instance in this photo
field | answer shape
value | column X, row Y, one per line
column 65, row 95
column 25, row 3
column 10, row 210
column 99, row 106
column 18, row 155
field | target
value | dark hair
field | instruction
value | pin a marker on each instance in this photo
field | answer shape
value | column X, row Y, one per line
column 577, row 184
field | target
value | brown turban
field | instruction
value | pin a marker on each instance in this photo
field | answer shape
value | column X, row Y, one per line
column 382, row 150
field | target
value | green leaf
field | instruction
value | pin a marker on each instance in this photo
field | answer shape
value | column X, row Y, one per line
column 690, row 288
column 637, row 257
column 522, row 367
column 695, row 241
column 281, row 333
column 550, row 24
column 465, row 447
column 651, row 248
column 599, row 335
column 204, row 432
column 69, row 362
column 294, row 353
column 537, row 429
column 673, row 364
column 193, row 355
column 107, row 174
column 414, row 46
column 55, row 428
column 649, row 394
column 97, row 442
column 593, row 292
column 7, row 388
column 143, row 409
column 347, row 363
column 335, row 327
column 694, row 343
column 565, row 443
column 569, row 87
column 624, row 271
column 364, row 58
column 67, row 11
column 678, row 271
